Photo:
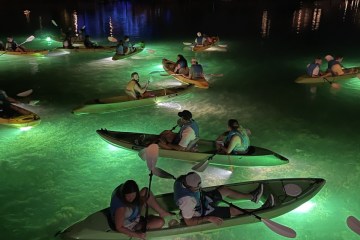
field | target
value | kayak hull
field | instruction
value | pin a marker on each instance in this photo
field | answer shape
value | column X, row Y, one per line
column 21, row 118
column 137, row 50
column 98, row 225
column 123, row 102
column 257, row 156
column 305, row 79
column 168, row 66
column 27, row 53
column 200, row 48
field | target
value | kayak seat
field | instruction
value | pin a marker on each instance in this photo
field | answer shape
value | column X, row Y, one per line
column 192, row 146
column 111, row 224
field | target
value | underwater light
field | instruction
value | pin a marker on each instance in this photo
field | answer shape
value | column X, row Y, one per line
column 48, row 39
column 112, row 148
column 169, row 105
column 25, row 128
column 306, row 207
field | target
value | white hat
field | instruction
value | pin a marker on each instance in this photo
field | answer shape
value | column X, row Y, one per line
column 193, row 180
column 329, row 58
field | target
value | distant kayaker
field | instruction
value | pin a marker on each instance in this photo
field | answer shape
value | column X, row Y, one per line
column 2, row 46
column 187, row 136
column 126, row 204
column 336, row 68
column 6, row 108
column 11, row 45
column 197, row 206
column 181, row 65
column 120, row 47
column 90, row 44
column 128, row 46
column 200, row 39
column 235, row 140
column 134, row 89
column 196, row 70
column 313, row 69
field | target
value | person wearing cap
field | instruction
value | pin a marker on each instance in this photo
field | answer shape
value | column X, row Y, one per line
column 134, row 89
column 125, row 210
column 196, row 70
column 235, row 140
column 197, row 206
column 199, row 40
column 189, row 131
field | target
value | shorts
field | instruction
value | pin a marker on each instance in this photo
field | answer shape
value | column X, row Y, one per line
column 214, row 197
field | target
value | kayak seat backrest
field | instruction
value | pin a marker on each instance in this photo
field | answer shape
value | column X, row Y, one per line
column 251, row 150
column 192, row 145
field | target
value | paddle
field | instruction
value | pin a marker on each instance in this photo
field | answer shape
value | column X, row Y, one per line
column 150, row 155
column 25, row 93
column 178, row 74
column 112, row 39
column 201, row 166
column 275, row 227
column 53, row 22
column 354, row 224
column 333, row 85
column 29, row 39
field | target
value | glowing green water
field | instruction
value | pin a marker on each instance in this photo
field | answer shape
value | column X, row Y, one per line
column 61, row 171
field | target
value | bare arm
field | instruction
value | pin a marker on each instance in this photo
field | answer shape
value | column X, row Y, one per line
column 119, row 220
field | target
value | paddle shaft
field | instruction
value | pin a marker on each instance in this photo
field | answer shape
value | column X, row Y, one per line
column 27, row 40
column 147, row 205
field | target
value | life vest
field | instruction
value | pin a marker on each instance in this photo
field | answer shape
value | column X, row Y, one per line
column 310, row 69
column 197, row 71
column 245, row 141
column 199, row 40
column 181, row 191
column 191, row 124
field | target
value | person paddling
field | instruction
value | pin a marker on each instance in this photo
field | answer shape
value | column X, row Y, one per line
column 135, row 90
column 12, row 46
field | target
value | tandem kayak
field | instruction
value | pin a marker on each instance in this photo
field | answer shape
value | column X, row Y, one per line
column 199, row 48
column 289, row 193
column 28, row 52
column 20, row 118
column 169, row 66
column 256, row 156
column 137, row 50
column 122, row 102
column 306, row 79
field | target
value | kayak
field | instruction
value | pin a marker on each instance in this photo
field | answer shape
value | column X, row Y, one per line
column 28, row 52
column 308, row 80
column 20, row 118
column 256, row 156
column 122, row 102
column 169, row 65
column 84, row 49
column 99, row 225
column 199, row 48
column 137, row 50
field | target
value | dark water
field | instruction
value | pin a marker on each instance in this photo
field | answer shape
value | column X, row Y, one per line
column 61, row 171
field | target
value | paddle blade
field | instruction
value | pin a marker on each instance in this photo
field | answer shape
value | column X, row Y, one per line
column 53, row 22
column 222, row 45
column 112, row 39
column 29, row 39
column 150, row 155
column 187, row 43
column 279, row 229
column 162, row 173
column 25, row 93
column 354, row 224
column 201, row 166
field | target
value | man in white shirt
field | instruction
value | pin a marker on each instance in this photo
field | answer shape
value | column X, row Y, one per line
column 189, row 131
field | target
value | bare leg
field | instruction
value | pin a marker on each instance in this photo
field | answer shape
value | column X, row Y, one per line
column 154, row 204
column 227, row 192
